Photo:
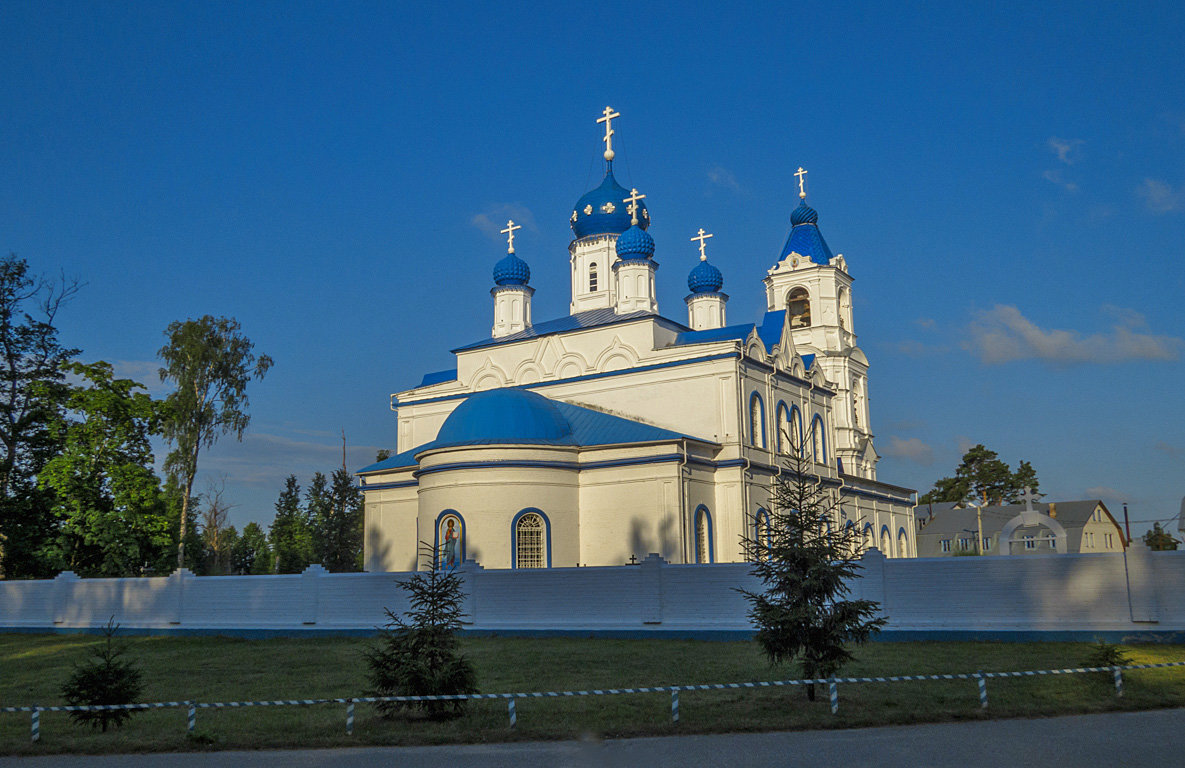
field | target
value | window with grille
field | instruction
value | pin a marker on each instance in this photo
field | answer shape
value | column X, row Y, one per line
column 592, row 277
column 529, row 548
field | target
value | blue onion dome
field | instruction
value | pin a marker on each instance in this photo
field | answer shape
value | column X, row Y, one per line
column 635, row 243
column 512, row 271
column 804, row 214
column 603, row 210
column 507, row 417
column 705, row 278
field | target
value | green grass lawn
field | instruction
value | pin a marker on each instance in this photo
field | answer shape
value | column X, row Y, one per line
column 33, row 668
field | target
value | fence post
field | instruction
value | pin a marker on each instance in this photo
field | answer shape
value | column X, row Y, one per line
column 310, row 583
column 834, row 695
column 513, row 714
column 349, row 717
column 674, row 705
column 63, row 596
column 982, row 689
column 1118, row 680
column 191, row 718
column 36, row 724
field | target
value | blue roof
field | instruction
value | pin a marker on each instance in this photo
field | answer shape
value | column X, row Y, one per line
column 805, row 238
column 522, row 417
column 770, row 329
column 727, row 333
column 579, row 321
column 438, row 377
column 603, row 210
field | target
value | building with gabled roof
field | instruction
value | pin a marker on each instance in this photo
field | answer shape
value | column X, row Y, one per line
column 613, row 432
column 946, row 529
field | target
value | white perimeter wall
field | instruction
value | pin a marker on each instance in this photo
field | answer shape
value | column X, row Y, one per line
column 1041, row 593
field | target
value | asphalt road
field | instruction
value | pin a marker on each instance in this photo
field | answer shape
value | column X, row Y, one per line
column 1115, row 740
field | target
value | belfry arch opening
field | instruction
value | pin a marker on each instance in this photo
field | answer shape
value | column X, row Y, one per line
column 798, row 304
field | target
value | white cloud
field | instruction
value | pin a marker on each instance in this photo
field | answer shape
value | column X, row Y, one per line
column 493, row 219
column 722, row 177
column 1002, row 334
column 1055, row 176
column 1160, row 197
column 1067, row 150
column 911, row 449
column 965, row 444
column 1109, row 495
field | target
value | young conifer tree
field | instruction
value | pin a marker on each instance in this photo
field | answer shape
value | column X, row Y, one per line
column 806, row 565
column 417, row 653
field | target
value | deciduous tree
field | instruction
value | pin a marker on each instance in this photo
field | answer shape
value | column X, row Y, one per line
column 210, row 363
column 32, row 392
column 107, row 498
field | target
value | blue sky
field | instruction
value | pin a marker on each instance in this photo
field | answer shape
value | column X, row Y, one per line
column 1006, row 181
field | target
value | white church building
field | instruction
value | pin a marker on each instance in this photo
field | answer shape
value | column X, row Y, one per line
column 613, row 432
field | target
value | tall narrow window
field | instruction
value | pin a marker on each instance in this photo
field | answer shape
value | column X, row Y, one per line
column 796, row 444
column 783, row 429
column 818, row 441
column 798, row 303
column 756, row 421
column 761, row 534
column 592, row 277
column 703, row 535
column 529, row 545
column 886, row 542
column 902, row 544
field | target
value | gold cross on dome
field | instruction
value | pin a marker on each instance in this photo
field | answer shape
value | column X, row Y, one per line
column 801, row 182
column 633, row 205
column 509, row 232
column 607, row 119
column 702, row 238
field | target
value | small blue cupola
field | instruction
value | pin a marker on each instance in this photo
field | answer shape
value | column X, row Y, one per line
column 705, row 278
column 512, row 270
column 635, row 243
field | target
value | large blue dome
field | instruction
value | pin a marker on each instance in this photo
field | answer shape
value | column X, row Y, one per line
column 705, row 279
column 635, row 243
column 805, row 238
column 505, row 416
column 603, row 210
column 512, row 271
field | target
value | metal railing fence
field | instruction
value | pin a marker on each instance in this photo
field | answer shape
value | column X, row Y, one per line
column 832, row 684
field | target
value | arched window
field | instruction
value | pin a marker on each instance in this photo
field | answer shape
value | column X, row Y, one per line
column 869, row 537
column 818, row 440
column 845, row 309
column 783, row 429
column 756, row 421
column 798, row 304
column 796, row 444
column 902, row 544
column 886, row 541
column 703, row 535
column 532, row 540
column 450, row 540
column 592, row 277
column 761, row 533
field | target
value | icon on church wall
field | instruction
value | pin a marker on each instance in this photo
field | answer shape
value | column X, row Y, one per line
column 450, row 542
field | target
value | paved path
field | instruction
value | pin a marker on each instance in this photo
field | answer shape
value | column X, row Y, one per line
column 1114, row 740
